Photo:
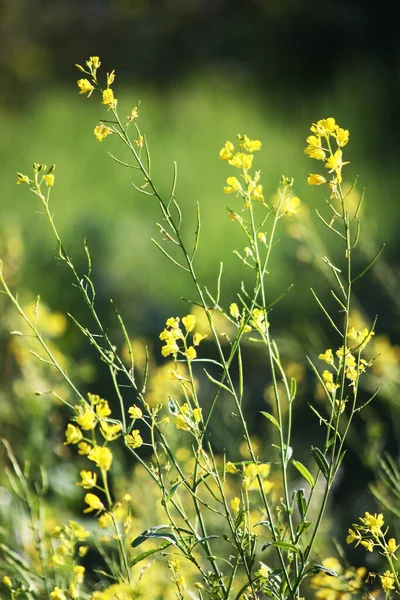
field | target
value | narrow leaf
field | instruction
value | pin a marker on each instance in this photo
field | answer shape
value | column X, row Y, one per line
column 305, row 472
column 321, row 461
column 144, row 555
column 218, row 383
column 270, row 418
column 301, row 502
column 367, row 268
column 303, row 527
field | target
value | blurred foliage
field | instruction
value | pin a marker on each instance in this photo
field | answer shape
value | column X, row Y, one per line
column 203, row 71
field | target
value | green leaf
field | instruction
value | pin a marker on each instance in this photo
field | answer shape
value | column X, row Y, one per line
column 144, row 555
column 218, row 383
column 293, row 388
column 305, row 472
column 317, row 569
column 321, row 461
column 270, row 418
column 175, row 487
column 301, row 502
column 154, row 533
column 303, row 527
column 284, row 546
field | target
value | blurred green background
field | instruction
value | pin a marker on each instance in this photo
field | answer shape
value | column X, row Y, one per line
column 203, row 71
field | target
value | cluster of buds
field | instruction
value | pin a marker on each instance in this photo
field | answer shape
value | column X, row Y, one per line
column 352, row 364
column 369, row 533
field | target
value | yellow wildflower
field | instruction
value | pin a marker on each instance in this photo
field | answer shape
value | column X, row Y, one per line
column 324, row 126
column 94, row 61
column 327, row 356
column 263, row 571
column 191, row 353
column 368, row 545
column 104, row 521
column 101, row 456
column 171, row 347
column 360, row 337
column 78, row 531
column 235, row 504
column 89, row 479
column 292, row 206
column 110, row 431
column 313, row 152
column 140, row 141
column 230, row 467
column 7, row 581
column 327, row 376
column 22, row 179
column 134, row 440
column 262, row 237
column 181, row 422
column 197, row 415
column 57, row 594
column 387, row 581
column 335, row 162
column 110, row 78
column 135, row 412
column 314, row 141
column 240, row 160
column 133, row 114
column 227, row 151
column 342, row 136
column 233, row 185
column 352, row 536
column 94, row 503
column 87, row 420
column 78, row 571
column 101, row 131
column 49, row 179
column 373, row 522
column 103, row 409
column 249, row 145
column 73, row 434
column 234, row 310
column 197, row 338
column 84, row 448
column 108, row 98
column 315, row 179
column 392, row 546
column 189, row 322
column 85, row 87
column 256, row 193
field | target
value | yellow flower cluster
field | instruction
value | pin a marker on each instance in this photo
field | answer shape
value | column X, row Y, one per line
column 87, row 86
column 353, row 366
column 320, row 148
column 89, row 415
column 242, row 158
column 250, row 472
column 188, row 418
column 177, row 577
column 66, row 550
column 256, row 321
column 370, row 535
column 172, row 334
